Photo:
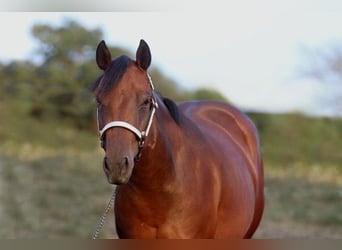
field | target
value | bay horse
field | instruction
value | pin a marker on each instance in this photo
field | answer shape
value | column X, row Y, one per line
column 187, row 170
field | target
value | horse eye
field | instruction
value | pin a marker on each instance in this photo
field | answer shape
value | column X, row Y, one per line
column 147, row 101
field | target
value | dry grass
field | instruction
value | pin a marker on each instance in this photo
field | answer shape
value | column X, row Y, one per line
column 299, row 206
column 58, row 195
column 49, row 193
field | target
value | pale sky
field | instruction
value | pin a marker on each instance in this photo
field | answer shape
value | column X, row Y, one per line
column 249, row 51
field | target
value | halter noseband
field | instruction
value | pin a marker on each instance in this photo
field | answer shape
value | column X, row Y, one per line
column 141, row 135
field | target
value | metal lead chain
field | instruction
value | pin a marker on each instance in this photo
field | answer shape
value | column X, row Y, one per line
column 104, row 215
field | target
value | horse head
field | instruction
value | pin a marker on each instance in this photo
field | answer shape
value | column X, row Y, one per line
column 125, row 109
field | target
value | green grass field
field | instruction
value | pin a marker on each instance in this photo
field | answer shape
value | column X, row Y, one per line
column 52, row 186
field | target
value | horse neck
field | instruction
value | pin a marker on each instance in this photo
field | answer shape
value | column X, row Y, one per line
column 156, row 168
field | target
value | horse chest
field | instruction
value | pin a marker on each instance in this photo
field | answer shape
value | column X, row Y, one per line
column 138, row 218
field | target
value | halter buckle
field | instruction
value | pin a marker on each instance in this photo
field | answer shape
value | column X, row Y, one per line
column 141, row 144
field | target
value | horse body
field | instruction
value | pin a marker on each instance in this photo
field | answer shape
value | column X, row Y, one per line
column 200, row 173
column 198, row 196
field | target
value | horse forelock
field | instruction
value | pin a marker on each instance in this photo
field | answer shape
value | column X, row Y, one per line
column 112, row 75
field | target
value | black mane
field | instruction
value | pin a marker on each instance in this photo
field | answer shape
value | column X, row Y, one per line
column 173, row 109
column 112, row 74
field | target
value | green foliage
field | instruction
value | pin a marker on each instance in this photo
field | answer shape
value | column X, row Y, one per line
column 208, row 94
column 294, row 137
column 59, row 87
column 165, row 85
column 66, row 45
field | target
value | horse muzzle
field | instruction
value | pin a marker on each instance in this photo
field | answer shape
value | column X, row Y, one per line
column 118, row 172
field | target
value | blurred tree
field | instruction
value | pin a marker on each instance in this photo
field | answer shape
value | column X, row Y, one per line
column 59, row 85
column 325, row 65
column 165, row 85
column 16, row 81
column 208, row 94
column 69, row 44
column 67, row 71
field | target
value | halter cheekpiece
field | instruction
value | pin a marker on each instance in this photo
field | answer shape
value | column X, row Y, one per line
column 141, row 135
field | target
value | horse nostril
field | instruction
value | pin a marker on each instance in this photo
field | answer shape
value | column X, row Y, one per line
column 123, row 163
column 126, row 162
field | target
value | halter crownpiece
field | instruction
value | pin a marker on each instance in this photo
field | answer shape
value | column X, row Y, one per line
column 141, row 135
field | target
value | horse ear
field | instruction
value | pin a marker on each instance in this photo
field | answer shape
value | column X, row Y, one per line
column 143, row 55
column 103, row 56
